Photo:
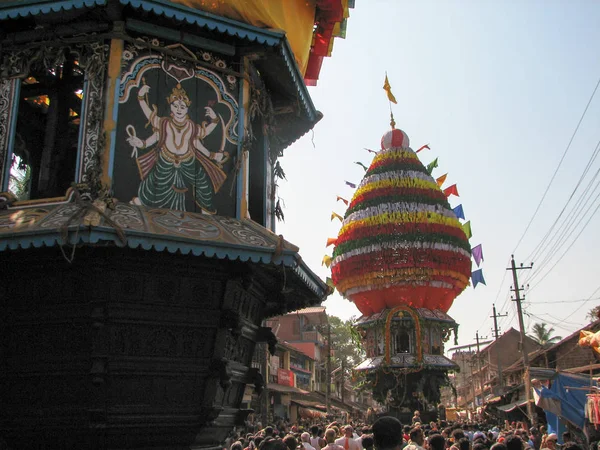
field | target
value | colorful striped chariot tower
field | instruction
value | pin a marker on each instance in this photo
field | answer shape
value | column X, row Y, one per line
column 139, row 159
column 402, row 257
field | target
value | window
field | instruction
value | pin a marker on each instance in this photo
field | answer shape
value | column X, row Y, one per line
column 44, row 154
column 402, row 342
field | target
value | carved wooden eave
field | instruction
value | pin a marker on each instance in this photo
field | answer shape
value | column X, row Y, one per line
column 176, row 232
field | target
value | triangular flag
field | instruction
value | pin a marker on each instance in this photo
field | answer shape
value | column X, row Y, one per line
column 352, row 185
column 331, row 241
column 477, row 252
column 369, row 150
column 342, row 199
column 388, row 89
column 477, row 277
column 441, row 180
column 329, row 282
column 467, row 229
column 451, row 190
column 426, row 146
column 458, row 212
column 432, row 165
column 335, row 215
column 326, row 261
column 361, row 165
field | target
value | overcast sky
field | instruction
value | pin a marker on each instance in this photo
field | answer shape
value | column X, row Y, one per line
column 497, row 89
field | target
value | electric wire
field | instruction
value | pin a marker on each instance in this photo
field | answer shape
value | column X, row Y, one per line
column 565, row 301
column 539, row 247
column 570, row 246
column 568, row 227
column 557, row 167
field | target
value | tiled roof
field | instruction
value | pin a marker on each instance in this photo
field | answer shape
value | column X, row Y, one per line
column 310, row 310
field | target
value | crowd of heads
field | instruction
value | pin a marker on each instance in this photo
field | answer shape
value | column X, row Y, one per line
column 387, row 433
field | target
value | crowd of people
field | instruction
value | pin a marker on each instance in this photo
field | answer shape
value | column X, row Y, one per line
column 387, row 433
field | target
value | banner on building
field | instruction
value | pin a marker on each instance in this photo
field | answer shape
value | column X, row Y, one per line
column 285, row 377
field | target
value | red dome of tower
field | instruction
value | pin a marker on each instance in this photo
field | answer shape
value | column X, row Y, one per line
column 400, row 242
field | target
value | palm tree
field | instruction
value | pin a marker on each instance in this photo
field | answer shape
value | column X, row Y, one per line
column 543, row 337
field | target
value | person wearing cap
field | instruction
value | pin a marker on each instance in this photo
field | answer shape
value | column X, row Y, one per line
column 347, row 441
column 550, row 442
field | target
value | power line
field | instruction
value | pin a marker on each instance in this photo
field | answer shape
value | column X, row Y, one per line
column 538, row 249
column 557, row 167
column 567, row 228
column 570, row 246
column 565, row 301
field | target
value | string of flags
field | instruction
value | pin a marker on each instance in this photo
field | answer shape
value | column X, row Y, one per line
column 477, row 251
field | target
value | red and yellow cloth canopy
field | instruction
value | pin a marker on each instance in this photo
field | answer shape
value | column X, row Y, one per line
column 310, row 25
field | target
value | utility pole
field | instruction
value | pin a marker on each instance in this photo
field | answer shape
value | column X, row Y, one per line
column 480, row 375
column 343, row 379
column 265, row 393
column 517, row 290
column 471, row 365
column 496, row 331
column 328, row 387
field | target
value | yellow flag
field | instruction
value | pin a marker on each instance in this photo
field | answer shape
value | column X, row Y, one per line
column 388, row 89
column 441, row 180
column 335, row 215
column 326, row 261
column 467, row 229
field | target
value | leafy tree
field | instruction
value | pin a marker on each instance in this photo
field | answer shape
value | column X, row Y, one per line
column 543, row 336
column 593, row 314
column 346, row 346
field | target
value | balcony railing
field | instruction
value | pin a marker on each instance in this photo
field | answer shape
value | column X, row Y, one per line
column 313, row 336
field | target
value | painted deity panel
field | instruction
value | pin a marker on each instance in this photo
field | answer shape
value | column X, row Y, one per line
column 177, row 126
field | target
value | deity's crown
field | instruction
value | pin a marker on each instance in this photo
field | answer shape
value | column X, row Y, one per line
column 178, row 93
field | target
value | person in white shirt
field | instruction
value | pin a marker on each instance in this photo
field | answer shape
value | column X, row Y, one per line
column 314, row 440
column 305, row 438
column 417, row 439
column 348, row 442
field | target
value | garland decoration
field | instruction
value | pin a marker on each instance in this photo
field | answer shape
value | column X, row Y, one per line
column 400, row 243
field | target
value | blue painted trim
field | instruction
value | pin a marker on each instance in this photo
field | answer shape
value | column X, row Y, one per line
column 234, row 28
column 95, row 235
column 13, row 10
column 113, row 133
column 315, row 284
column 211, row 21
column 82, row 125
column 294, row 70
column 16, row 93
column 241, row 136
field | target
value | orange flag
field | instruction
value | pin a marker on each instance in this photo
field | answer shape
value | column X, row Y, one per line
column 388, row 89
column 331, row 241
column 441, row 180
column 426, row 146
column 451, row 190
column 342, row 199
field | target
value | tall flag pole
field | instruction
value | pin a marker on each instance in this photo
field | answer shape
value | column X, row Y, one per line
column 388, row 89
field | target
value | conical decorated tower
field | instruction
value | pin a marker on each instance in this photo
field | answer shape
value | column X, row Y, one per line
column 402, row 257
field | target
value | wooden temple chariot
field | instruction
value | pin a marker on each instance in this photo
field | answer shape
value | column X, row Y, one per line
column 139, row 146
